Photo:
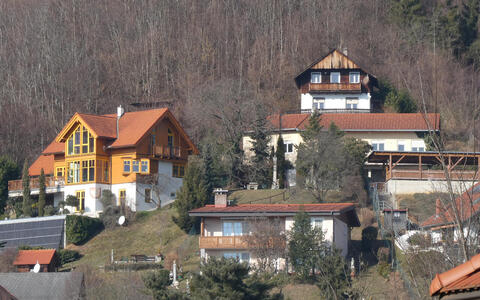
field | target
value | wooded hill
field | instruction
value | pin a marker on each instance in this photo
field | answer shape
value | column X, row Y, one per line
column 210, row 59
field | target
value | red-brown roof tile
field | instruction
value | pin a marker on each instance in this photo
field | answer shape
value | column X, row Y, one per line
column 54, row 148
column 277, row 208
column 30, row 257
column 43, row 161
column 363, row 121
column 467, row 204
column 463, row 277
column 104, row 126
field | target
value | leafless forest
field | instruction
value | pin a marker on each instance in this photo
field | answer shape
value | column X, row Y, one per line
column 59, row 57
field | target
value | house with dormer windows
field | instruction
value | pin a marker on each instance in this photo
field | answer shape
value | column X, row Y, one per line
column 139, row 156
column 335, row 83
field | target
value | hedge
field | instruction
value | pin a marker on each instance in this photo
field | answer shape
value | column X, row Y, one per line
column 66, row 256
column 81, row 228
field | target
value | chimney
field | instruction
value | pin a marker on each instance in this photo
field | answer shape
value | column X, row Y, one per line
column 438, row 208
column 120, row 112
column 345, row 51
column 220, row 197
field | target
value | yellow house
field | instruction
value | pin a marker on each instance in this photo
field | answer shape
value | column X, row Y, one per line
column 139, row 156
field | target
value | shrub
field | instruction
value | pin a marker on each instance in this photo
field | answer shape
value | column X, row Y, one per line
column 367, row 217
column 384, row 269
column 66, row 256
column 81, row 228
column 71, row 201
column 49, row 210
column 369, row 234
column 110, row 216
column 26, row 247
column 419, row 239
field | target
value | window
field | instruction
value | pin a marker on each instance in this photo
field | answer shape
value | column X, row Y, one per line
column 378, row 146
column 59, row 171
column 401, row 146
column 316, row 77
column 316, row 222
column 318, row 103
column 352, row 102
column 178, row 170
column 70, row 146
column 73, row 172
column 126, row 166
column 144, row 168
column 240, row 256
column 80, row 142
column 418, row 146
column 396, row 215
column 148, row 195
column 91, row 170
column 288, row 147
column 335, row 77
column 105, row 171
column 122, row 196
column 232, row 228
column 81, row 200
column 354, row 77
column 170, row 138
column 135, row 166
column 85, row 171
column 76, row 148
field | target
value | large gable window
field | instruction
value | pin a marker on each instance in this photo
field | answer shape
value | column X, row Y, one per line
column 80, row 142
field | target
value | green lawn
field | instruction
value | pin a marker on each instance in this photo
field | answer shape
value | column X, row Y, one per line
column 151, row 233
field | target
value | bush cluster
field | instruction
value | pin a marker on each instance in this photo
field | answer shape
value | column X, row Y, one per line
column 81, row 228
column 66, row 256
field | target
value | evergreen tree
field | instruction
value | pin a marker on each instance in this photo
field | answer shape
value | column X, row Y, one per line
column 313, row 128
column 8, row 171
column 260, row 140
column 281, row 163
column 41, row 193
column 192, row 194
column 209, row 172
column 27, row 206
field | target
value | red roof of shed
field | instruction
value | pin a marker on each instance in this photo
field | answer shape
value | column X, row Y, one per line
column 31, row 257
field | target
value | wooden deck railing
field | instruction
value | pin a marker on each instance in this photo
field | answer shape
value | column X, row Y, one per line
column 222, row 242
column 170, row 152
column 50, row 181
column 334, row 86
column 431, row 174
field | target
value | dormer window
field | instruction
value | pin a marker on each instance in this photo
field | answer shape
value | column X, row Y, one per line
column 316, row 77
column 354, row 77
column 335, row 77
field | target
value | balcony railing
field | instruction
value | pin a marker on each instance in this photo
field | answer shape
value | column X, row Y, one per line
column 169, row 152
column 334, row 87
column 432, row 174
column 222, row 242
column 50, row 182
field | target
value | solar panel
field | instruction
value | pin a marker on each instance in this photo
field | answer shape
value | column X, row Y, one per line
column 46, row 232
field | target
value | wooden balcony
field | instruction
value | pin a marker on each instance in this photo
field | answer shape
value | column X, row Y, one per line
column 344, row 87
column 170, row 152
column 50, row 182
column 222, row 242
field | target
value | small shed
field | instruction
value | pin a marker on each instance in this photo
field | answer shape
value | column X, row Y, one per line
column 395, row 219
column 46, row 258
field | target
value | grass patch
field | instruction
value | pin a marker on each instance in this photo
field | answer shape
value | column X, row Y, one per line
column 420, row 205
column 151, row 233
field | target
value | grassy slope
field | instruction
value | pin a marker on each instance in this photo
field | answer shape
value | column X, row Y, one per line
column 153, row 232
column 420, row 206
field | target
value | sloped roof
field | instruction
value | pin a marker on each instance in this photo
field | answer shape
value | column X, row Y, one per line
column 44, row 162
column 459, row 279
column 467, row 204
column 103, row 126
column 54, row 148
column 280, row 209
column 44, row 285
column 30, row 257
column 363, row 121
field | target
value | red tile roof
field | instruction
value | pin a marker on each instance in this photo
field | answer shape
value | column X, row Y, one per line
column 104, row 126
column 363, row 121
column 43, row 161
column 276, row 208
column 54, row 148
column 467, row 204
column 30, row 257
column 461, row 278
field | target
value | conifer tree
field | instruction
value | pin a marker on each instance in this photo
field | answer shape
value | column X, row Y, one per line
column 27, row 206
column 192, row 194
column 260, row 140
column 8, row 171
column 41, row 193
column 281, row 163
column 209, row 172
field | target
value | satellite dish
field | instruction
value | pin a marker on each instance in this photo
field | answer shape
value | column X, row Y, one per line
column 36, row 268
column 121, row 220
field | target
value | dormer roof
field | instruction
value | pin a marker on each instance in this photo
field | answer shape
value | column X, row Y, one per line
column 334, row 59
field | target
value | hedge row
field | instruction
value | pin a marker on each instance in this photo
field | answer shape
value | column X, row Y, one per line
column 80, row 228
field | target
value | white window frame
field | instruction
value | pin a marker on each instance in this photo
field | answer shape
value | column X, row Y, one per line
column 351, row 103
column 401, row 143
column 418, row 146
column 318, row 75
column 241, row 256
column 288, row 144
column 314, row 221
column 378, row 143
column 339, row 77
column 355, row 76
column 318, row 103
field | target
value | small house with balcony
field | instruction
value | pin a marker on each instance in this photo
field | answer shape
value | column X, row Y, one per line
column 139, row 156
column 224, row 227
column 335, row 83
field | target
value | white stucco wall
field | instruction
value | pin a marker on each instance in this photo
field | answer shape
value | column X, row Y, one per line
column 167, row 185
column 93, row 192
column 335, row 101
column 341, row 236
